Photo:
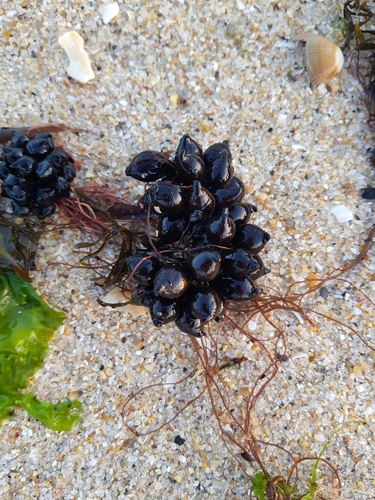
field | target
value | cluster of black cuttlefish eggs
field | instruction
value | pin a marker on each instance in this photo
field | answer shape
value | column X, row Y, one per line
column 34, row 174
column 205, row 251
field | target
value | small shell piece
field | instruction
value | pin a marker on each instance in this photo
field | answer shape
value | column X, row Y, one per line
column 110, row 12
column 80, row 66
column 342, row 213
column 118, row 296
column 324, row 59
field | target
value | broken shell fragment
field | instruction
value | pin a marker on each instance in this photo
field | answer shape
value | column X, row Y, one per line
column 324, row 59
column 342, row 213
column 80, row 66
column 117, row 296
column 110, row 12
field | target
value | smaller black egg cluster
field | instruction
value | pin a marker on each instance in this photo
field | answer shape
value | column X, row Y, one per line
column 34, row 174
column 206, row 250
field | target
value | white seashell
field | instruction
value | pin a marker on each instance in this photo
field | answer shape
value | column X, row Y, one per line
column 298, row 316
column 324, row 59
column 342, row 213
column 79, row 62
column 298, row 355
column 110, row 12
column 118, row 296
column 137, row 311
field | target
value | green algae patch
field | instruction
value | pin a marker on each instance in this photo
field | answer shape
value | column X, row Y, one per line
column 27, row 325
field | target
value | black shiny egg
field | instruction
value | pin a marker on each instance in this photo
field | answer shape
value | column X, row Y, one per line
column 190, row 168
column 145, row 201
column 188, row 161
column 204, row 265
column 39, row 146
column 170, row 228
column 45, row 170
column 22, row 167
column 18, row 210
column 240, row 262
column 198, row 237
column 51, row 166
column 62, row 186
column 251, row 237
column 58, row 158
column 68, row 173
column 200, row 201
column 163, row 310
column 229, row 195
column 44, row 212
column 240, row 212
column 148, row 166
column 169, row 198
column 19, row 140
column 10, row 155
column 188, row 146
column 236, row 288
column 143, row 268
column 204, row 303
column 218, row 161
column 262, row 269
column 143, row 297
column 4, row 170
column 170, row 282
column 221, row 229
column 188, row 323
column 17, row 189
column 45, row 197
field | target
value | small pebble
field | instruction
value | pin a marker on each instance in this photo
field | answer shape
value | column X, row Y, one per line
column 262, row 197
column 154, row 80
column 324, row 292
column 357, row 370
column 174, row 99
column 319, row 437
column 179, row 440
column 251, row 325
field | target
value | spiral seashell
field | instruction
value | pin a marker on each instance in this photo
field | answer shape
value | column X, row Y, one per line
column 324, row 59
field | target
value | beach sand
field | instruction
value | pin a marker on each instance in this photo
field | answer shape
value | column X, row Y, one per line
column 215, row 70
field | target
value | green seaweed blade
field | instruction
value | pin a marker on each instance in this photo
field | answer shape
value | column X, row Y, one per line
column 58, row 417
column 27, row 325
column 259, row 483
